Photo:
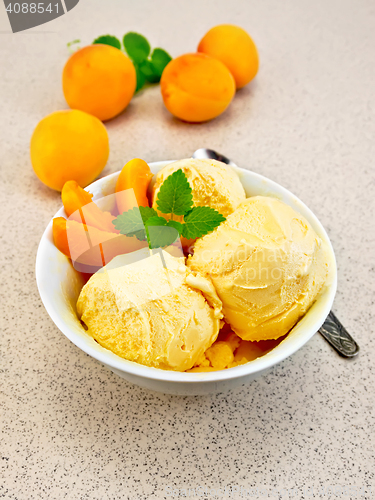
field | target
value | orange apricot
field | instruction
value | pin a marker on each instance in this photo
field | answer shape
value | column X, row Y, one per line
column 69, row 145
column 89, row 247
column 197, row 87
column 100, row 80
column 60, row 236
column 74, row 197
column 79, row 206
column 234, row 47
column 136, row 175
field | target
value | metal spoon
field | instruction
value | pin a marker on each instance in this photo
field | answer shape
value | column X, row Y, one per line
column 332, row 330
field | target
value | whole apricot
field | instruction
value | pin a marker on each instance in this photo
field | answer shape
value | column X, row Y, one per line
column 197, row 87
column 100, row 80
column 69, row 145
column 234, row 47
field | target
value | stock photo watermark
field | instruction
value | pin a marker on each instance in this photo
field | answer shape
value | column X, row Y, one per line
column 24, row 15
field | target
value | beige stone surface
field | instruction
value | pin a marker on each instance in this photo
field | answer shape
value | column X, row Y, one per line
column 72, row 429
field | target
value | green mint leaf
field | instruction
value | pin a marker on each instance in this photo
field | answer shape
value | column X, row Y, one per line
column 140, row 235
column 200, row 221
column 136, row 46
column 156, row 221
column 131, row 223
column 141, row 79
column 108, row 40
column 159, row 59
column 160, row 233
column 175, row 196
column 176, row 225
column 147, row 69
column 147, row 213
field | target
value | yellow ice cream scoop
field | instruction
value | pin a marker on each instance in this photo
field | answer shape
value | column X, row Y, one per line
column 214, row 184
column 267, row 265
column 153, row 310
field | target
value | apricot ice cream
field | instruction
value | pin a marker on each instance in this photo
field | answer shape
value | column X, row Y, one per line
column 267, row 265
column 214, row 184
column 154, row 310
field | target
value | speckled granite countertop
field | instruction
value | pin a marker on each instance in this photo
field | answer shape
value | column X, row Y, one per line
column 72, row 429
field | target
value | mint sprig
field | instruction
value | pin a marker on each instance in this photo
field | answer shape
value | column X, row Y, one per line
column 159, row 59
column 148, row 72
column 132, row 222
column 108, row 40
column 141, row 79
column 136, row 46
column 162, row 233
column 145, row 224
column 148, row 68
column 175, row 195
column 200, row 221
column 174, row 198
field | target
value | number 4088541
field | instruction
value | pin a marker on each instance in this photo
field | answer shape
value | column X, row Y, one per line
column 32, row 8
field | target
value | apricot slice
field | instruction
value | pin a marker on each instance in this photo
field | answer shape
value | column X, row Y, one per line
column 74, row 198
column 60, row 236
column 136, row 175
column 89, row 247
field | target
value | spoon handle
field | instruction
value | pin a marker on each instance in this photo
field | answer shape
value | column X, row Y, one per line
column 339, row 338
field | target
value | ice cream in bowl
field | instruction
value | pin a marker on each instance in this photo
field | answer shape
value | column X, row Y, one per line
column 213, row 278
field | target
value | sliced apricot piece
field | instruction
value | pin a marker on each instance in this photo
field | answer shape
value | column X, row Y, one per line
column 74, row 198
column 60, row 236
column 136, row 175
column 88, row 246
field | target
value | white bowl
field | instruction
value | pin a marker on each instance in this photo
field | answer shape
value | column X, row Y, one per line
column 59, row 286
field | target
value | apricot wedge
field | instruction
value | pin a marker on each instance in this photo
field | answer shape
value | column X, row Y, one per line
column 136, row 175
column 89, row 247
column 79, row 206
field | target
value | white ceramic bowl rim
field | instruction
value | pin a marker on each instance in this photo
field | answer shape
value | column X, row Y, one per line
column 275, row 356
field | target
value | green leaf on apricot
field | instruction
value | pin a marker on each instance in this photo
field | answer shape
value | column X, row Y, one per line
column 136, row 46
column 108, row 40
